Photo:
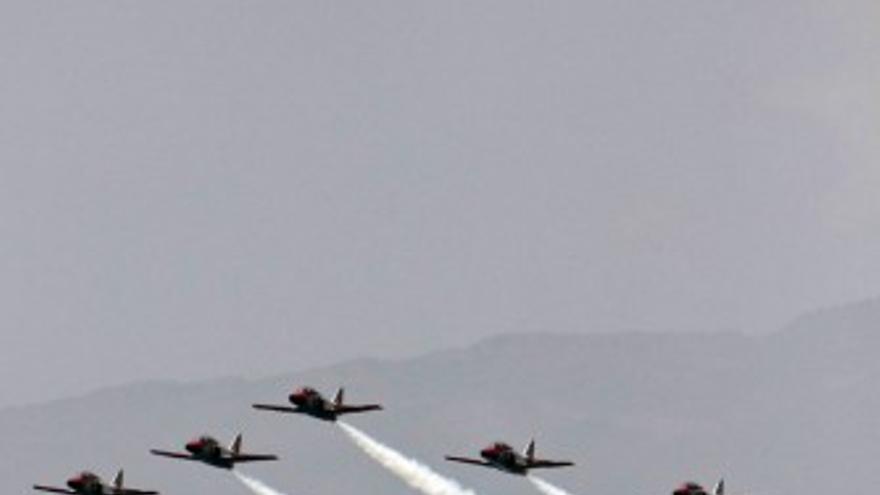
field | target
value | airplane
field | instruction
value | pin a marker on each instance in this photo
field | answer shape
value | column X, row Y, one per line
column 309, row 401
column 209, row 451
column 88, row 483
column 501, row 456
column 691, row 488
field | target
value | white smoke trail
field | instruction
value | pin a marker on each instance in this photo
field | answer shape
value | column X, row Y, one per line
column 255, row 485
column 414, row 473
column 545, row 487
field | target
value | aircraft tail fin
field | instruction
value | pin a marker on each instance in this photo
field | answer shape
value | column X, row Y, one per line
column 719, row 488
column 235, row 446
column 529, row 451
column 339, row 397
column 119, row 480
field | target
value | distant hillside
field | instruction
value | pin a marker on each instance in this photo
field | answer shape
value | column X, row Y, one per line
column 792, row 413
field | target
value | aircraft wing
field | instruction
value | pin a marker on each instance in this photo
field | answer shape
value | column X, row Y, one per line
column 253, row 458
column 173, row 455
column 466, row 460
column 343, row 409
column 270, row 407
column 52, row 489
column 133, row 491
column 538, row 463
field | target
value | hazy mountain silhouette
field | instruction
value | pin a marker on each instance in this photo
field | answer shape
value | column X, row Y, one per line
column 795, row 412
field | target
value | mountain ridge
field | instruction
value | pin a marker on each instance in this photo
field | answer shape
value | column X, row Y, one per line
column 781, row 413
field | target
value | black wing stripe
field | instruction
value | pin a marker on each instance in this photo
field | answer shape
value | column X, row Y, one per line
column 254, row 458
column 357, row 409
column 272, row 407
column 52, row 489
column 173, row 455
column 550, row 464
column 466, row 460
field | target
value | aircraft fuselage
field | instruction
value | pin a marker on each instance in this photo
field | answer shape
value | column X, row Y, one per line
column 508, row 461
column 89, row 484
column 208, row 451
column 313, row 404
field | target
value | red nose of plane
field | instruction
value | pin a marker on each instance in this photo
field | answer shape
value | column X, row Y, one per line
column 193, row 446
column 298, row 397
column 75, row 482
column 487, row 452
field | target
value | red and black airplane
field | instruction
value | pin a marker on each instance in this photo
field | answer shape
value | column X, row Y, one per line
column 209, row 451
column 691, row 488
column 501, row 456
column 310, row 402
column 88, row 483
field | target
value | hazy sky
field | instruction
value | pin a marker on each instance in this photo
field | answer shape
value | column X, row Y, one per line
column 190, row 189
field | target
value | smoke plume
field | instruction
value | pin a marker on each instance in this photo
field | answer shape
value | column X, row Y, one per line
column 255, row 485
column 545, row 487
column 412, row 472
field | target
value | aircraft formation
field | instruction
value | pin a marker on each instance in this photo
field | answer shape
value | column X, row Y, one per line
column 308, row 401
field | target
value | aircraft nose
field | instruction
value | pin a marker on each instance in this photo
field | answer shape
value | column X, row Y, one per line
column 486, row 453
column 74, row 482
column 296, row 398
column 192, row 446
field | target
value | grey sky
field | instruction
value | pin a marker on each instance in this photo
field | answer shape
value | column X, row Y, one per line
column 190, row 189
